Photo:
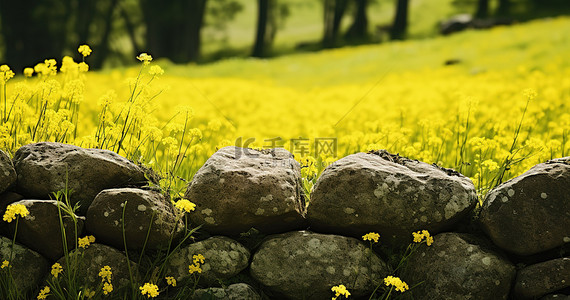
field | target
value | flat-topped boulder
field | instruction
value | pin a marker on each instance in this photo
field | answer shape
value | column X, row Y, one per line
column 530, row 214
column 46, row 168
column 238, row 189
column 388, row 194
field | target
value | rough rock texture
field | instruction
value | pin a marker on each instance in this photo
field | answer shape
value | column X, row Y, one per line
column 459, row 266
column 305, row 265
column 237, row 291
column 530, row 213
column 28, row 268
column 90, row 260
column 143, row 208
column 543, row 278
column 7, row 172
column 238, row 189
column 40, row 230
column 224, row 258
column 388, row 194
column 6, row 199
column 43, row 169
column 556, row 297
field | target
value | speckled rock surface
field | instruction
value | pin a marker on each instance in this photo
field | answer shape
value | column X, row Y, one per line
column 238, row 189
column 530, row 213
column 7, row 172
column 28, row 267
column 459, row 266
column 388, row 194
column 44, row 167
column 542, row 278
column 142, row 207
column 224, row 258
column 556, row 297
column 305, row 265
column 237, row 291
column 90, row 260
column 40, row 230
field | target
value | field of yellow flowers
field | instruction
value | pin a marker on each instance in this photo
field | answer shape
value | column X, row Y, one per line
column 498, row 106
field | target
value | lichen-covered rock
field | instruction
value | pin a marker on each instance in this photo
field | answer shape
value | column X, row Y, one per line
column 388, row 194
column 458, row 266
column 88, row 263
column 530, row 213
column 540, row 279
column 141, row 209
column 305, row 265
column 44, row 168
column 237, row 291
column 223, row 259
column 7, row 172
column 28, row 267
column 238, row 189
column 40, row 230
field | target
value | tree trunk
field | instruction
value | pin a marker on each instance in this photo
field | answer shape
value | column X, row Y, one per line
column 482, row 9
column 504, row 7
column 196, row 11
column 102, row 50
column 400, row 26
column 358, row 31
column 333, row 13
column 262, row 16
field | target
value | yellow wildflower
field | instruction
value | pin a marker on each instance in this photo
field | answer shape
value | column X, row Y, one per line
column 529, row 93
column 28, row 72
column 170, row 280
column 105, row 273
column 83, row 67
column 5, row 264
column 371, row 236
column 107, row 288
column 56, row 269
column 44, row 293
column 85, row 50
column 149, row 289
column 5, row 73
column 156, row 71
column 199, row 258
column 84, row 242
column 420, row 235
column 185, row 205
column 340, row 290
column 397, row 283
column 15, row 209
column 89, row 293
column 194, row 268
column 145, row 58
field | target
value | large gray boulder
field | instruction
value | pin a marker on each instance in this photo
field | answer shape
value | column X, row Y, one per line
column 305, row 265
column 27, row 267
column 237, row 189
column 87, row 263
column 7, row 172
column 458, row 266
column 149, row 218
column 388, row 194
column 237, row 291
column 540, row 279
column 530, row 214
column 45, row 168
column 41, row 231
column 223, row 258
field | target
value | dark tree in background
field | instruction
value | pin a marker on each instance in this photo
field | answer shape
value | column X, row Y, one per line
column 173, row 28
column 482, row 9
column 400, row 25
column 504, row 7
column 358, row 31
column 262, row 35
column 333, row 12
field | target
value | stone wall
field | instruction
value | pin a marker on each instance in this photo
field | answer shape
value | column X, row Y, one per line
column 261, row 240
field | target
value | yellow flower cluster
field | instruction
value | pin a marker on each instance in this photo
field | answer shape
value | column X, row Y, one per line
column 5, row 74
column 84, row 242
column 105, row 275
column 371, row 236
column 5, row 264
column 44, row 293
column 170, row 281
column 14, row 210
column 397, row 283
column 198, row 260
column 85, row 50
column 340, row 290
column 56, row 269
column 185, row 205
column 149, row 289
column 420, row 236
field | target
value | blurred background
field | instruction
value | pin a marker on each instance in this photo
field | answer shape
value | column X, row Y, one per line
column 203, row 31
